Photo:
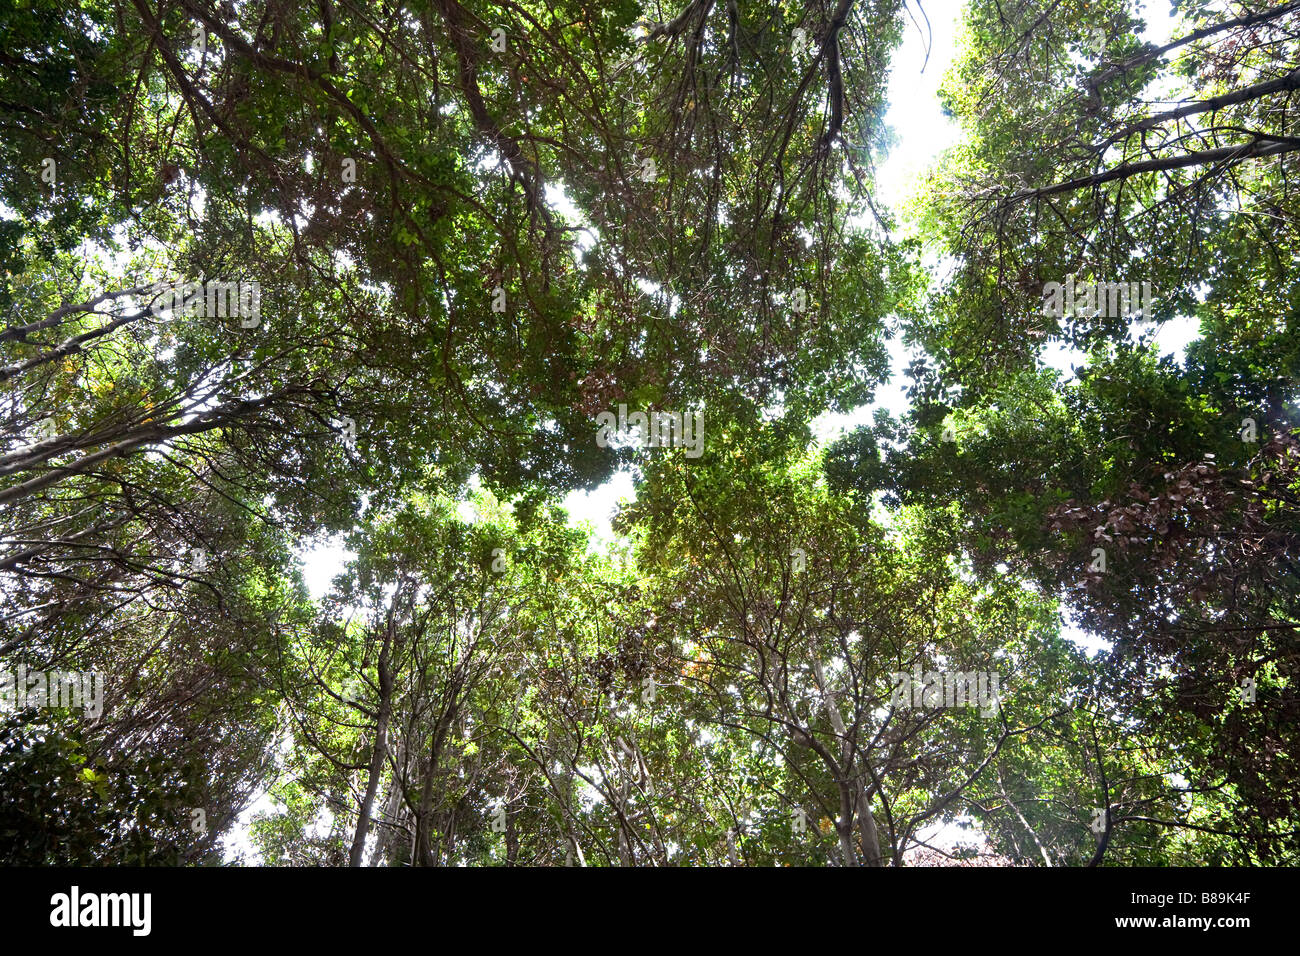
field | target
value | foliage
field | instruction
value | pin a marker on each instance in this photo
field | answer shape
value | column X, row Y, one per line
column 469, row 229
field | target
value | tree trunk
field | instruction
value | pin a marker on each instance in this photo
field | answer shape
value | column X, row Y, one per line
column 384, row 835
column 381, row 746
column 857, row 793
column 423, row 847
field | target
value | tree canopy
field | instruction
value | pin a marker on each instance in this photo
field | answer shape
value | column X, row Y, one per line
column 281, row 273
